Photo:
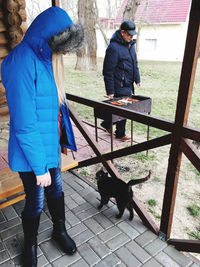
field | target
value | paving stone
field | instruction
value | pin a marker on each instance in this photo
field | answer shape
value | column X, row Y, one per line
column 152, row 263
column 77, row 187
column 138, row 251
column 76, row 230
column 83, row 207
column 103, row 221
column 42, row 261
column 66, row 260
column 165, row 260
column 1, row 246
column 121, row 265
column 44, row 217
column 7, row 264
column 155, row 246
column 88, row 254
column 4, row 256
column 110, row 261
column 9, row 224
column 118, row 241
column 94, row 226
column 127, row 229
column 78, row 199
column 7, row 233
column 195, row 265
column 70, row 203
column 81, row 182
column 50, row 250
column 111, row 211
column 65, row 186
column 137, row 224
column 45, row 225
column 44, row 236
column 13, row 247
column 179, row 257
column 145, row 238
column 9, row 213
column 87, row 214
column 110, row 234
column 2, row 218
column 99, row 247
column 79, row 263
column 71, row 218
column 84, row 192
column 92, row 198
column 69, row 191
column 83, row 237
column 125, row 255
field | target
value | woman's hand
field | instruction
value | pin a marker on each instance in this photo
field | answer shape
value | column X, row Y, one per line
column 44, row 179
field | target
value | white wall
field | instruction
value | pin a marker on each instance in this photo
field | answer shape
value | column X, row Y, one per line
column 169, row 39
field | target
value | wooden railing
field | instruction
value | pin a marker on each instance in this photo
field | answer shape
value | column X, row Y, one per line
column 180, row 136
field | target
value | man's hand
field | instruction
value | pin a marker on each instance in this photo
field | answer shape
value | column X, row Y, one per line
column 44, row 179
column 138, row 85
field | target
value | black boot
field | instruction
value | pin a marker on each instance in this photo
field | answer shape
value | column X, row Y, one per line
column 30, row 227
column 57, row 210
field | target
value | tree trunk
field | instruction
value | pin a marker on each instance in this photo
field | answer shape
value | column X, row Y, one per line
column 87, row 57
column 130, row 10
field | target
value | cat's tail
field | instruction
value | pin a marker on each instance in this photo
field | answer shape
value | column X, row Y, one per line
column 139, row 181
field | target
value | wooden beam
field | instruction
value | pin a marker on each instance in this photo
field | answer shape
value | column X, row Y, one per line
column 191, row 152
column 186, row 245
column 182, row 110
column 153, row 121
column 147, row 145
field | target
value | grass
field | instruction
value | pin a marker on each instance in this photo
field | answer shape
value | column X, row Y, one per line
column 152, row 202
column 194, row 210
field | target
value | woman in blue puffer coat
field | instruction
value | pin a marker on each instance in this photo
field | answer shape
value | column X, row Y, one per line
column 34, row 89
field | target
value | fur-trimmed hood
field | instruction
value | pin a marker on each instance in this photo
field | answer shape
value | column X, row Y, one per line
column 54, row 31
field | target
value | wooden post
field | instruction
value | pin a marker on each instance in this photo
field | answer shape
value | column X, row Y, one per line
column 182, row 110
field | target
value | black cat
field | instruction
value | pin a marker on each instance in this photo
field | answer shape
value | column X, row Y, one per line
column 113, row 187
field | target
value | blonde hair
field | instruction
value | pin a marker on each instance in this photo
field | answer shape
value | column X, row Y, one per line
column 58, row 72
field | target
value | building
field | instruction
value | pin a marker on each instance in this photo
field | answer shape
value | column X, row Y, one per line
column 161, row 26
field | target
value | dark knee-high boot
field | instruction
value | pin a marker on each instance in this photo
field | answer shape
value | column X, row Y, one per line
column 57, row 210
column 30, row 228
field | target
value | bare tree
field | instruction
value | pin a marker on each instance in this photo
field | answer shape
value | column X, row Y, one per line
column 131, row 8
column 71, row 8
column 142, row 20
column 99, row 24
column 87, row 57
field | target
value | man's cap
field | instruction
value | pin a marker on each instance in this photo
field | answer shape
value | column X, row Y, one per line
column 128, row 26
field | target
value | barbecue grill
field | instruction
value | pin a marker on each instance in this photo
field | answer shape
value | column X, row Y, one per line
column 135, row 102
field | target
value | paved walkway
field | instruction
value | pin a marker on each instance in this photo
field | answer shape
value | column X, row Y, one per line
column 102, row 239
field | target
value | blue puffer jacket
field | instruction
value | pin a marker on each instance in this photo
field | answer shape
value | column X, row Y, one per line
column 31, row 93
column 120, row 67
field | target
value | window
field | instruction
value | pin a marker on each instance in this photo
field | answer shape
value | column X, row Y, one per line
column 151, row 44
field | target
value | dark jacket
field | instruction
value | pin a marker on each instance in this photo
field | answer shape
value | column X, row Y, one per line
column 32, row 97
column 120, row 67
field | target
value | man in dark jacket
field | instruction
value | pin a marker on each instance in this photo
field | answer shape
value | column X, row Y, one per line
column 120, row 70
